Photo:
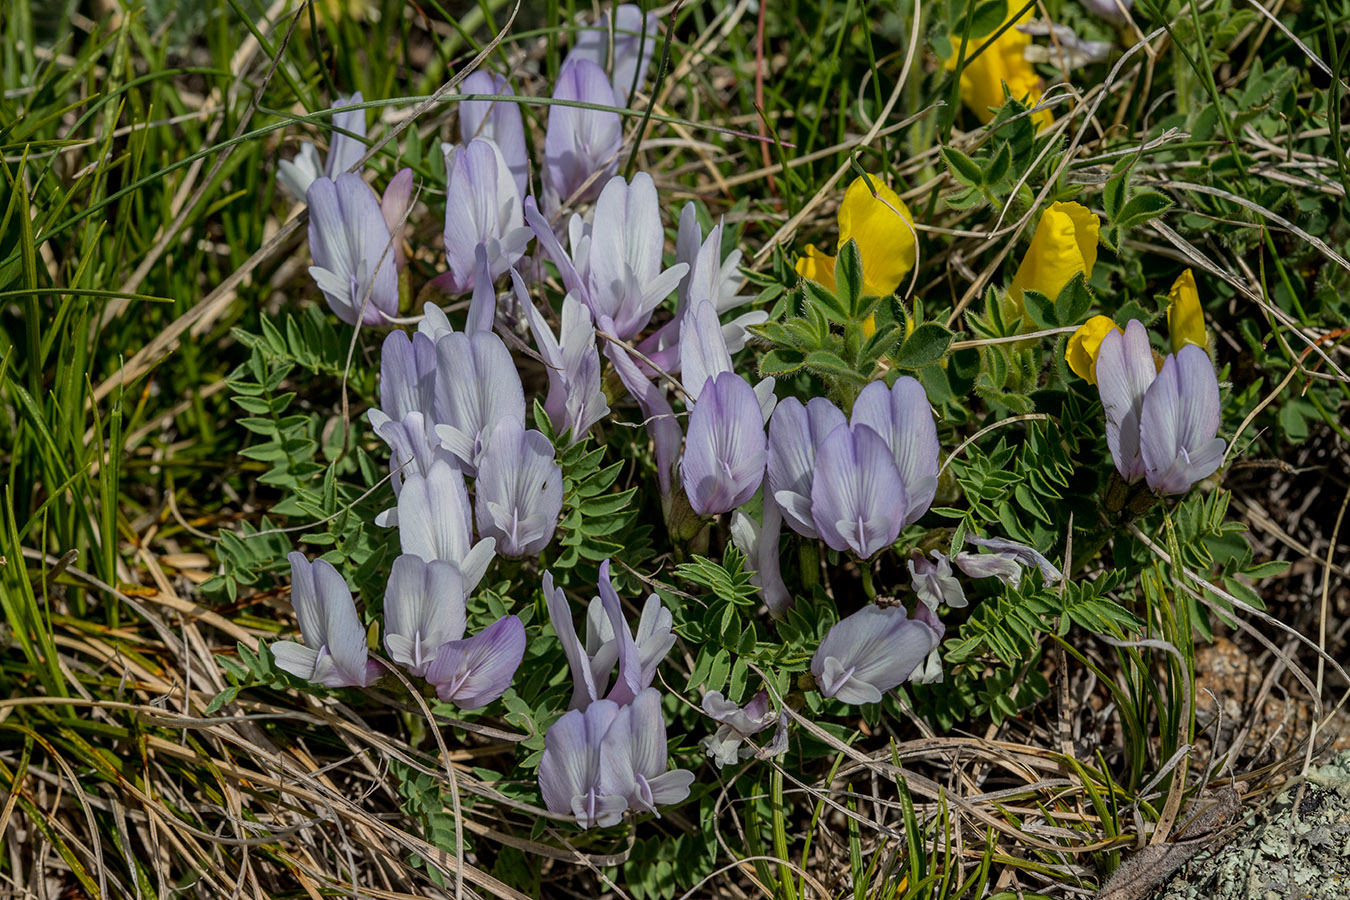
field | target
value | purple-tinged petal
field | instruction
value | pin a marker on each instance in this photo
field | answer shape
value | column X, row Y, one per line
column 344, row 151
column 934, row 583
column 483, row 304
column 519, row 490
column 296, row 175
column 473, row 672
column 482, row 206
column 477, row 387
column 407, row 375
column 703, row 350
column 573, row 283
column 1027, row 556
column 587, row 683
column 857, row 495
column 1124, row 372
column 334, row 653
column 570, row 769
column 871, row 652
column 795, row 431
column 759, row 543
column 903, row 418
column 581, row 146
column 990, row 565
column 726, row 450
column 394, row 205
column 661, row 423
column 434, row 522
column 423, row 609
column 497, row 120
column 634, row 39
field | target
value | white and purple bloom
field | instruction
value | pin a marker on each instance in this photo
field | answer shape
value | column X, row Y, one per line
column 497, row 120
column 1160, row 425
column 355, row 263
column 581, row 146
column 477, row 387
column 572, row 779
column 871, row 652
column 473, row 672
column 933, row 581
column 1011, row 551
column 903, row 418
column 519, row 491
column 590, row 663
column 634, row 754
column 795, row 435
column 735, row 724
column 858, row 499
column 662, row 425
column 334, row 652
column 435, row 522
column 296, row 175
column 634, row 40
column 575, row 400
column 482, row 208
column 423, row 609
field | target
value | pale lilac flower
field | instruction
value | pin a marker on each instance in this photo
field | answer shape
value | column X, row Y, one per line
column 355, row 264
column 858, row 497
column 473, row 672
column 903, row 418
column 1021, row 554
column 591, row 663
column 573, row 263
column 933, row 582
column 519, row 491
column 434, row 522
column 298, row 174
column 482, row 207
column 423, row 609
column 633, row 756
column 1066, row 50
column 581, row 146
column 625, row 281
column 725, row 451
column 634, row 39
column 407, row 386
column 735, row 724
column 759, row 542
column 1160, row 425
column 990, row 565
column 334, row 652
column 931, row 670
column 394, row 206
column 795, row 435
column 575, row 400
column 477, row 386
column 497, row 120
column 871, row 652
column 572, row 780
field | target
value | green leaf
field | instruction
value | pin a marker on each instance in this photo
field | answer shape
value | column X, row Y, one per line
column 1073, row 301
column 1143, row 206
column 823, row 301
column 999, row 165
column 963, row 168
column 848, row 278
column 1040, row 309
column 782, row 362
column 1113, row 195
column 828, row 365
column 925, row 345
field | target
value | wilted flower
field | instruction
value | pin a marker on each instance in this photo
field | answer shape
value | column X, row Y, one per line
column 1185, row 318
column 990, row 565
column 1160, row 425
column 497, row 120
column 1002, row 62
column 883, row 228
column 355, row 264
column 519, row 491
column 795, row 435
column 334, row 652
column 1066, row 50
column 933, row 581
column 575, row 399
column 735, row 724
column 1005, row 560
column 870, row 652
column 581, row 146
column 1065, row 245
column 482, row 208
column 634, row 39
column 434, row 522
column 1084, row 345
column 423, row 609
column 572, row 779
column 473, row 672
column 477, row 386
column 296, row 175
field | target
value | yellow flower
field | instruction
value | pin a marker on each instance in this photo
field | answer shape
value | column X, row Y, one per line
column 883, row 228
column 1081, row 354
column 1002, row 62
column 1065, row 244
column 1185, row 319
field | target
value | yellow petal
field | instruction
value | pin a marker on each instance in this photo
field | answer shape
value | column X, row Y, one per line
column 816, row 266
column 884, row 230
column 1081, row 354
column 1002, row 62
column 1064, row 245
column 1185, row 319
